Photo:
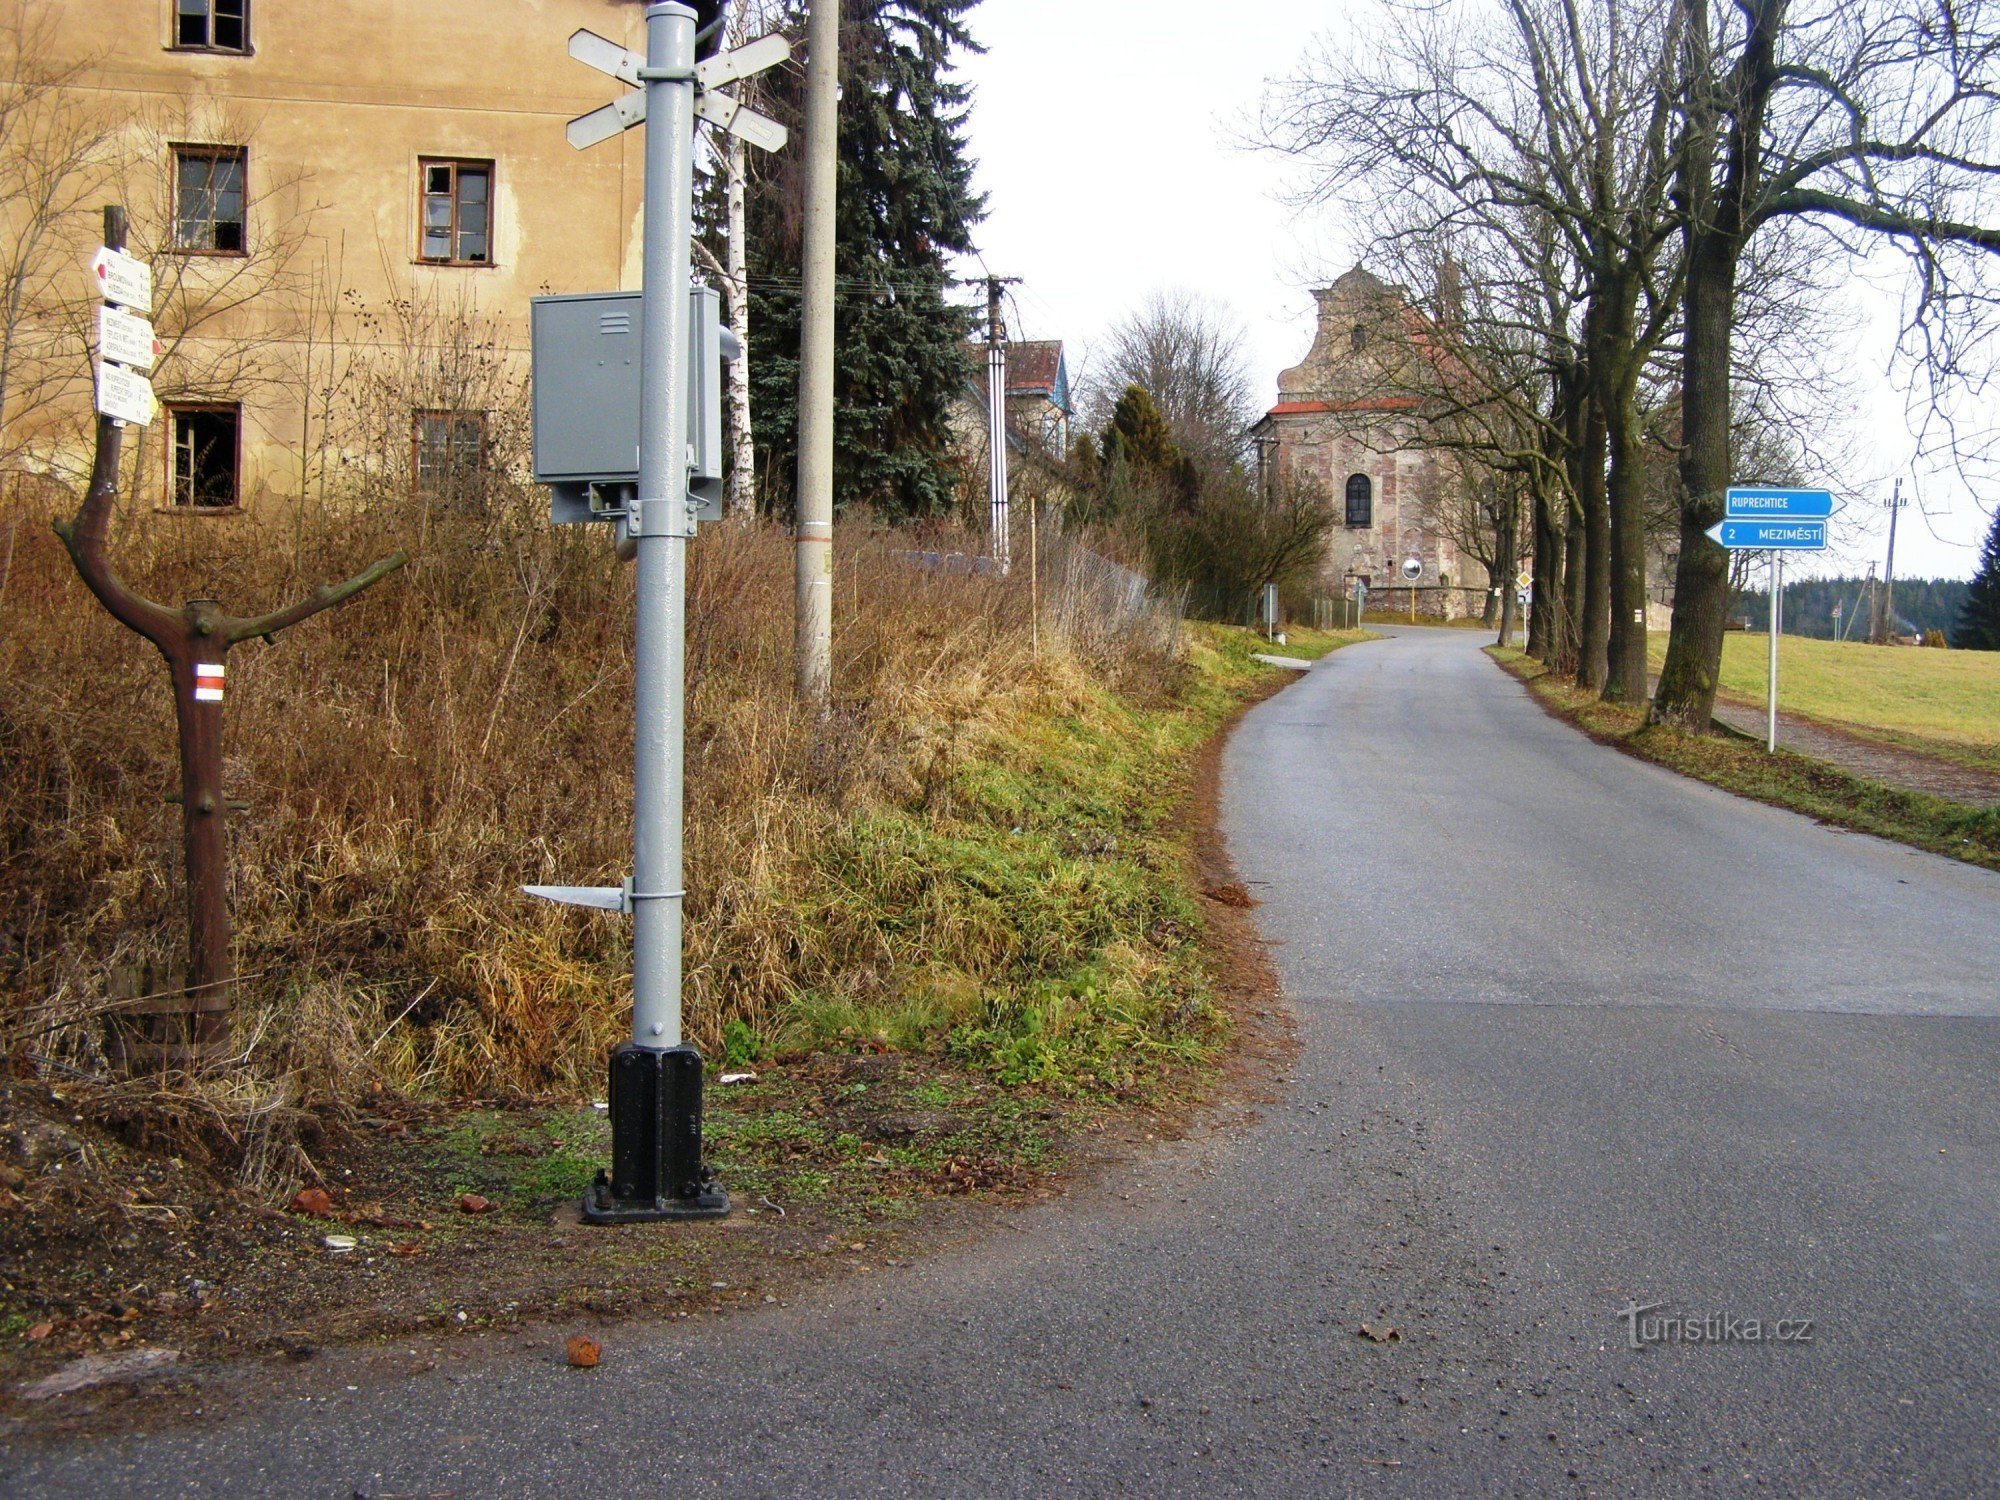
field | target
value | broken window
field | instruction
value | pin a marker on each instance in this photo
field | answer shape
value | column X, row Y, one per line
column 208, row 199
column 448, row 453
column 212, row 25
column 1360, row 500
column 456, row 212
column 205, row 456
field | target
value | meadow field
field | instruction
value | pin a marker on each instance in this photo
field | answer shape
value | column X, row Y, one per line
column 1945, row 702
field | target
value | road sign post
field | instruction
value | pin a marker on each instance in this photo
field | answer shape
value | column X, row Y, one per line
column 1761, row 518
column 656, row 1078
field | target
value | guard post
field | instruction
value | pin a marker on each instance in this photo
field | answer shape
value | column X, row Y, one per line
column 627, row 430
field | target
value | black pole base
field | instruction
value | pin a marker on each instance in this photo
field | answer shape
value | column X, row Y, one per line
column 656, row 1166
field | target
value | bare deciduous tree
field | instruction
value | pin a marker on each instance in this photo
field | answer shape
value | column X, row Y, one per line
column 1855, row 120
column 1188, row 354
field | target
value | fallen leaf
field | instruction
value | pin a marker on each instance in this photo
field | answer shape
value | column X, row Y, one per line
column 413, row 1248
column 472, row 1203
column 315, row 1201
column 41, row 1330
column 583, row 1353
column 1376, row 1335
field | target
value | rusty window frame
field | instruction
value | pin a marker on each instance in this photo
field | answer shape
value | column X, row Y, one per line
column 208, row 26
column 201, row 232
column 441, row 432
column 181, row 499
column 442, row 207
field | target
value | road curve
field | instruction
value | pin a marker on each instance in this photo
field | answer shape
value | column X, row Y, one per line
column 1576, row 1033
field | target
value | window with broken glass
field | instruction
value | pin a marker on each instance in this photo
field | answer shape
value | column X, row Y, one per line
column 457, row 213
column 212, row 25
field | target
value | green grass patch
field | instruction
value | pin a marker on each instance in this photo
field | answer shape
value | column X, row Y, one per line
column 1946, row 703
column 1786, row 779
column 1055, row 879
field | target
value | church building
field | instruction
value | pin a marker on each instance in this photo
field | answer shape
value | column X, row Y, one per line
column 1348, row 422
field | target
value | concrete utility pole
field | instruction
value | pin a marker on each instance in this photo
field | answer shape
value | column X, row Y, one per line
column 996, row 421
column 1885, row 622
column 814, row 514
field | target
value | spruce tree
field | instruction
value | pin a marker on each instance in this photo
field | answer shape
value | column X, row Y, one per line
column 905, row 204
column 1979, row 617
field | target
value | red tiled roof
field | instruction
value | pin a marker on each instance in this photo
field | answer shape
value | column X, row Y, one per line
column 1373, row 403
column 1031, row 366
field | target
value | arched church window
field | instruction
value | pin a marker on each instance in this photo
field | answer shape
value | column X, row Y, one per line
column 1360, row 500
column 1360, row 336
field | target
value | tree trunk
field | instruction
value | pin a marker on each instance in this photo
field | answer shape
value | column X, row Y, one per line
column 1625, row 679
column 1701, row 581
column 742, row 497
column 1594, row 631
column 1545, row 606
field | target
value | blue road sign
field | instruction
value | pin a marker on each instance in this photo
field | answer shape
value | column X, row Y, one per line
column 1759, row 503
column 1770, row 536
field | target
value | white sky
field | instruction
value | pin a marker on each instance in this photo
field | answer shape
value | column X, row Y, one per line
column 1108, row 139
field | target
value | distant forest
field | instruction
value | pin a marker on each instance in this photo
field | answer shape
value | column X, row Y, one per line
column 1922, row 604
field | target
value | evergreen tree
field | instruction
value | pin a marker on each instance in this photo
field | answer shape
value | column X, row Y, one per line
column 905, row 203
column 1979, row 617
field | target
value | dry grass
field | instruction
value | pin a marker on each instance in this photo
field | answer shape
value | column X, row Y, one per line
column 414, row 758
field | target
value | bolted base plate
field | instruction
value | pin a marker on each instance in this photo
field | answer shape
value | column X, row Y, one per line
column 600, row 1207
column 656, row 1166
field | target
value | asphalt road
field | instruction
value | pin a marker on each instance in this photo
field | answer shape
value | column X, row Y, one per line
column 1575, row 1032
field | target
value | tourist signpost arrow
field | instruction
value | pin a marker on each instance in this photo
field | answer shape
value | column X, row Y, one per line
column 656, row 1167
column 1769, row 536
column 1760, row 518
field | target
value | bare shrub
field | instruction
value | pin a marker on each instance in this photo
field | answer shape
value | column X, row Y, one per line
column 454, row 735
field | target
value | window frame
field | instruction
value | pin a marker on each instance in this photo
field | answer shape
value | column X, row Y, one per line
column 207, row 151
column 418, row 416
column 175, row 44
column 174, row 412
column 1367, row 499
column 490, row 166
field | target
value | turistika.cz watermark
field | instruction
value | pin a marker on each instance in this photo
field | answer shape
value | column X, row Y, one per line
column 1647, row 1323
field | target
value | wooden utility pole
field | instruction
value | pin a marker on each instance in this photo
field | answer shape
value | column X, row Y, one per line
column 195, row 640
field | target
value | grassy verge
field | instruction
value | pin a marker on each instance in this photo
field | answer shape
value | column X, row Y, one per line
column 1942, row 703
column 1785, row 779
column 1038, row 965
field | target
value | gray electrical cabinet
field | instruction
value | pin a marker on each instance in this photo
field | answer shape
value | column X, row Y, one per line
column 585, row 353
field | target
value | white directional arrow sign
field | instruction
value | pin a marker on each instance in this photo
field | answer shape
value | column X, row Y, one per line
column 605, row 55
column 752, row 58
column 711, row 103
column 124, row 395
column 721, row 109
column 125, row 338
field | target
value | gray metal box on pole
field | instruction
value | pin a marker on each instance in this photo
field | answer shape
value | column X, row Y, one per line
column 586, row 389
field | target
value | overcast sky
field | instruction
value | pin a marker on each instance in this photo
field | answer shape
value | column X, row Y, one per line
column 1111, row 138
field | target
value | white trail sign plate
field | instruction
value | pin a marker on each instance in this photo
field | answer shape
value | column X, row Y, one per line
column 125, row 338
column 122, row 278
column 124, row 395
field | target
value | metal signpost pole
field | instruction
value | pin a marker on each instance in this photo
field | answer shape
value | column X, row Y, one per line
column 1760, row 518
column 1777, row 609
column 587, row 413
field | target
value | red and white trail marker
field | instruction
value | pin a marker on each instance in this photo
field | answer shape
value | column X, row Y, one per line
column 208, row 681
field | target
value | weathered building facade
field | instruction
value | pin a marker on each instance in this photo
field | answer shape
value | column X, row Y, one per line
column 347, row 208
column 1347, row 423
